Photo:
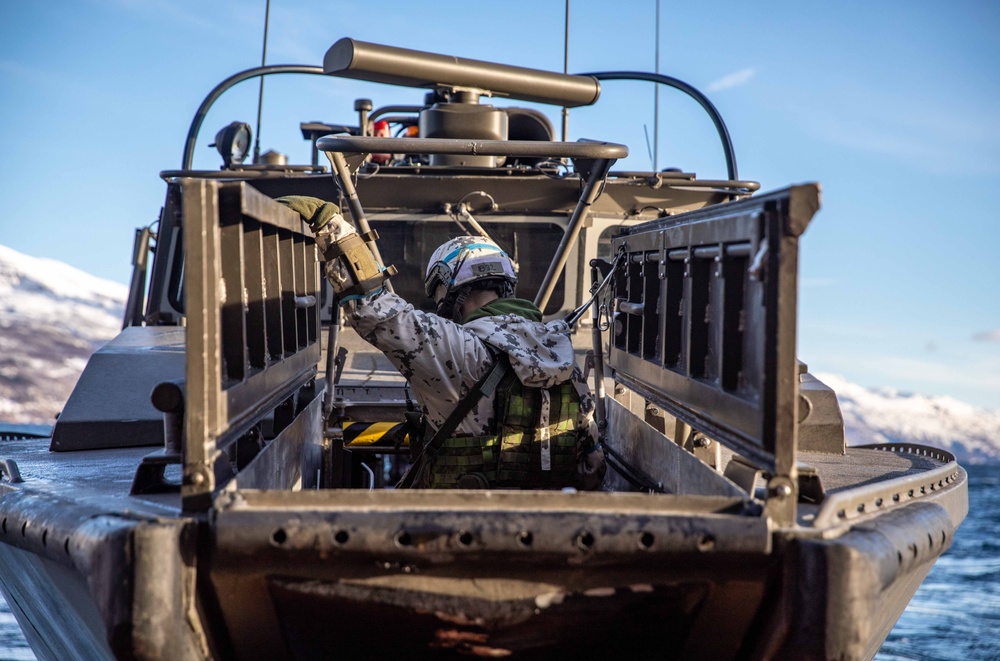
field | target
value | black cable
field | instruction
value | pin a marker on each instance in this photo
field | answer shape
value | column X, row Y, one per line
column 720, row 126
column 632, row 475
column 595, row 291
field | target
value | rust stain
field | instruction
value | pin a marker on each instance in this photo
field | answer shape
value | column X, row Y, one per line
column 469, row 642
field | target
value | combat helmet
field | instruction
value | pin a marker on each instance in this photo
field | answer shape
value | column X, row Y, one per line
column 464, row 264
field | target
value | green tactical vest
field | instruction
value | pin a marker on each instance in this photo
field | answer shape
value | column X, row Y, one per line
column 516, row 457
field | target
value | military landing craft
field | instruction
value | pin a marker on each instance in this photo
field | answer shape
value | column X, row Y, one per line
column 220, row 483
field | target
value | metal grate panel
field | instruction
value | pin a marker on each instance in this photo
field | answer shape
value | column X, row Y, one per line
column 251, row 282
column 704, row 320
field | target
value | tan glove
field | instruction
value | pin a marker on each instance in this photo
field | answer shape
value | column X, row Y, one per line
column 331, row 231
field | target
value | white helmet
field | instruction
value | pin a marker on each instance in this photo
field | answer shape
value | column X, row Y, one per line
column 463, row 261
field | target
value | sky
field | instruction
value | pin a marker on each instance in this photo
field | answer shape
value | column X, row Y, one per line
column 890, row 105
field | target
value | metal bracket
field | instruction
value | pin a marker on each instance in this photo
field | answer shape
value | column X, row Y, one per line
column 588, row 167
column 810, row 484
column 664, row 258
column 743, row 474
column 150, row 475
column 8, row 469
column 782, row 498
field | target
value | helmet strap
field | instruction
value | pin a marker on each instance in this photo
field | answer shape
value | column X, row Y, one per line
column 450, row 307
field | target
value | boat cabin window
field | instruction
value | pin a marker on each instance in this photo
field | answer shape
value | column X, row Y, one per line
column 408, row 244
column 604, row 250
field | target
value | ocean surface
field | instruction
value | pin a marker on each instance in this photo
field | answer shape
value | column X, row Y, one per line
column 955, row 615
column 956, row 612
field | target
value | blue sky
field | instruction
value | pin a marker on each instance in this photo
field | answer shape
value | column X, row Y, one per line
column 891, row 105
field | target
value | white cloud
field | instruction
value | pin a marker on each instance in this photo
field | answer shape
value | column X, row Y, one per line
column 818, row 282
column 935, row 135
column 987, row 336
column 976, row 381
column 902, row 369
column 735, row 79
column 14, row 68
column 825, row 327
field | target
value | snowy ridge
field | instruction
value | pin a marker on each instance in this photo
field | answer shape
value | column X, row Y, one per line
column 48, row 291
column 52, row 317
column 885, row 415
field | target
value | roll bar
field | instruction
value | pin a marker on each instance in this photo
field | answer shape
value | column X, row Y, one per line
column 592, row 160
column 348, row 58
column 456, row 146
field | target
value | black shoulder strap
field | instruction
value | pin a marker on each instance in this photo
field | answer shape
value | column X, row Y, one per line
column 485, row 387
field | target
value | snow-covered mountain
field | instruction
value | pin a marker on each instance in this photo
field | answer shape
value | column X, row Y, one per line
column 52, row 317
column 885, row 415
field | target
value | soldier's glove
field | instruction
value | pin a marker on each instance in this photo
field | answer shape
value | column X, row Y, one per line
column 314, row 211
column 351, row 267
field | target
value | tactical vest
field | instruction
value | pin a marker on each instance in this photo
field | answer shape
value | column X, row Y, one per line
column 535, row 445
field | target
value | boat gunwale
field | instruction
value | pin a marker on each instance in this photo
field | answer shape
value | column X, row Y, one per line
column 849, row 505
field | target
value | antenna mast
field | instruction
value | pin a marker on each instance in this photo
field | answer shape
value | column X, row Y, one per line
column 565, row 110
column 656, row 97
column 260, row 94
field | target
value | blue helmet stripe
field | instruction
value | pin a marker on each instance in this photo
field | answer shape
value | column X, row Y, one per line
column 472, row 246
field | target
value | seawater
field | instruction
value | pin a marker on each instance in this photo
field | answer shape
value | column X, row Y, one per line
column 955, row 615
column 13, row 646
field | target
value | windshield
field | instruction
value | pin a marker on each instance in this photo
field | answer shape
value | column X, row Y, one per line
column 408, row 246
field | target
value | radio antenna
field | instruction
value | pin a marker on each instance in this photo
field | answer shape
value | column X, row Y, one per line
column 260, row 94
column 656, row 97
column 565, row 110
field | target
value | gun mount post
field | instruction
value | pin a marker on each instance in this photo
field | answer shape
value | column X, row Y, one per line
column 342, row 173
column 596, row 171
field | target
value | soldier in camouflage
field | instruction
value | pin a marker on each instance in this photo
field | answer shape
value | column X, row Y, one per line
column 536, row 430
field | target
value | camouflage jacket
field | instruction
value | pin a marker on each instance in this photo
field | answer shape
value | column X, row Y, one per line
column 442, row 360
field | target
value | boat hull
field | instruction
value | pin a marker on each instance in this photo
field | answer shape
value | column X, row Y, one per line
column 320, row 573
